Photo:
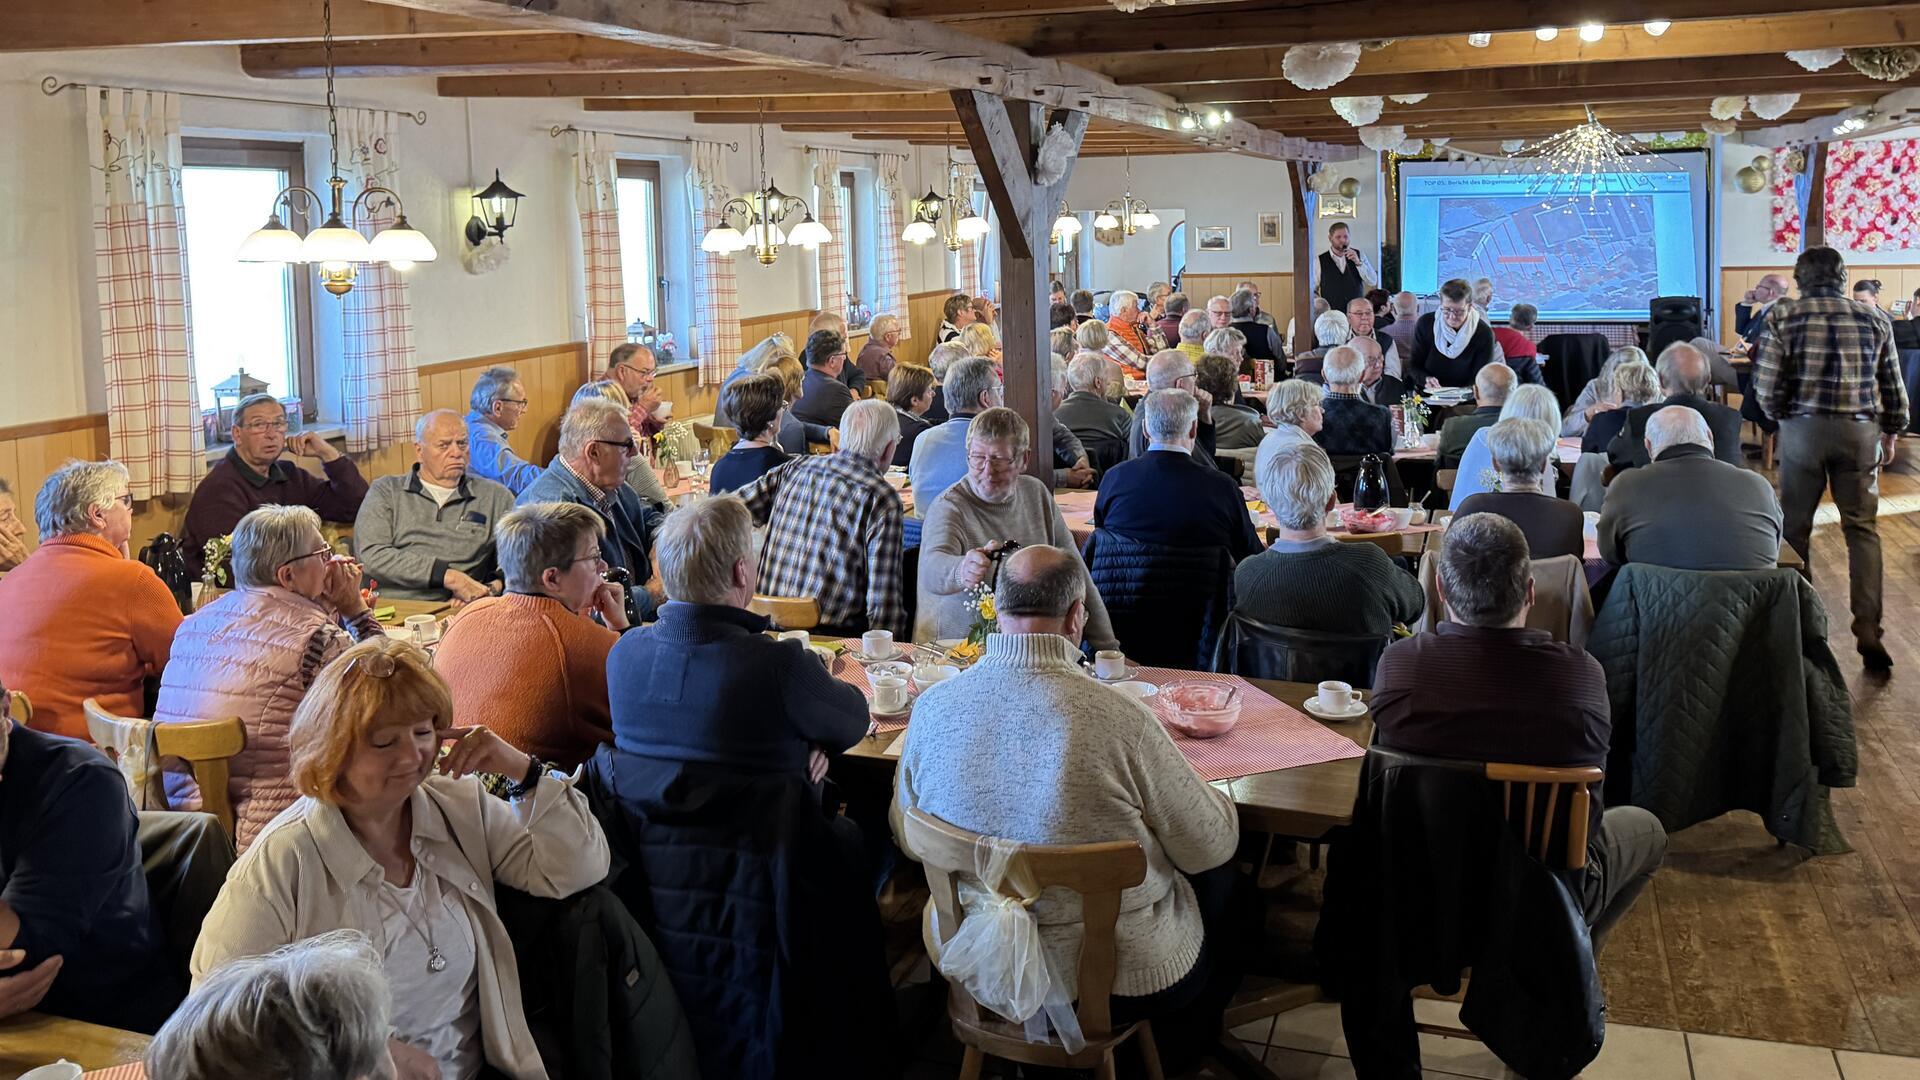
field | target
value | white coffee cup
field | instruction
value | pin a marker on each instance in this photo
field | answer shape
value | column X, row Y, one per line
column 889, row 694
column 424, row 628
column 877, row 644
column 59, row 1070
column 663, row 411
column 1109, row 663
column 800, row 636
column 1335, row 697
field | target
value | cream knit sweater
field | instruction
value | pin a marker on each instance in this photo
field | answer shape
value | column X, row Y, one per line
column 1024, row 746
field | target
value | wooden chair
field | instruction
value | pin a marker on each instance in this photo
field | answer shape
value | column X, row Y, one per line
column 831, row 446
column 19, row 707
column 716, row 438
column 1099, row 873
column 138, row 746
column 787, row 612
column 1444, row 478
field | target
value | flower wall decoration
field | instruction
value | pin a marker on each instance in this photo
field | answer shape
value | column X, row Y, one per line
column 1786, row 205
column 1872, row 186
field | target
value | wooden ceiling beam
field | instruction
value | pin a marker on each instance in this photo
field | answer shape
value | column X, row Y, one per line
column 519, row 54
column 36, row 25
column 1890, row 25
column 742, row 84
column 857, row 42
column 776, row 106
column 1246, row 97
column 1655, row 96
column 833, row 116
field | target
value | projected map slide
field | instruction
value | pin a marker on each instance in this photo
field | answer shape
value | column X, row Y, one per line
column 1572, row 256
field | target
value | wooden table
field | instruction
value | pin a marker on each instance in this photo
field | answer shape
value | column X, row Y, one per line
column 1303, row 802
column 30, row 1040
column 404, row 608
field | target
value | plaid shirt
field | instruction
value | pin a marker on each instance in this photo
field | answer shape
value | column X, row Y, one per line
column 835, row 536
column 1121, row 353
column 1825, row 354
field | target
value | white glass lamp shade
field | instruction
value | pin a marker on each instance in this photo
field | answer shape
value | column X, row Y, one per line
column 971, row 227
column 1146, row 219
column 1106, row 220
column 271, row 243
column 722, row 240
column 1591, row 32
column 763, row 234
column 1656, row 27
column 1547, row 33
column 810, row 234
column 1066, row 225
column 918, row 232
column 401, row 244
column 334, row 243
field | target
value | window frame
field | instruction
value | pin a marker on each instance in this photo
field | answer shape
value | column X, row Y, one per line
column 644, row 169
column 291, row 157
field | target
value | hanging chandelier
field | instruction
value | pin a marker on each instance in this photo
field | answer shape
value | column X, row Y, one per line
column 337, row 244
column 760, row 213
column 1065, row 227
column 933, row 214
column 1127, row 213
column 1588, row 159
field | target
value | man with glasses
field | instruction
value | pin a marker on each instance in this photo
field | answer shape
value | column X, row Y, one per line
column 634, row 367
column 499, row 402
column 596, row 444
column 428, row 535
column 1171, row 370
column 252, row 475
column 823, row 397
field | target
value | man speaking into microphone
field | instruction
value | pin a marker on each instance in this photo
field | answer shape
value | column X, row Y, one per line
column 1344, row 271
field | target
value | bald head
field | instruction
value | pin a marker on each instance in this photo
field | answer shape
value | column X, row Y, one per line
column 1677, row 425
column 1042, row 590
column 1167, row 368
column 1684, row 369
column 1492, row 385
column 440, row 445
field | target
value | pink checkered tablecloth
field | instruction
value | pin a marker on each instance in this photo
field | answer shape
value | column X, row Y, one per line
column 849, row 671
column 132, row 1070
column 1270, row 735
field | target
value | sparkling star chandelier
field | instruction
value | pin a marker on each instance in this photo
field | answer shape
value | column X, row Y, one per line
column 1589, row 159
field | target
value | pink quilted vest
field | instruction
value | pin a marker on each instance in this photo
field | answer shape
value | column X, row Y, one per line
column 241, row 656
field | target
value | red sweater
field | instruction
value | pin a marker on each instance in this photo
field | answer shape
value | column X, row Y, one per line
column 532, row 671
column 83, row 621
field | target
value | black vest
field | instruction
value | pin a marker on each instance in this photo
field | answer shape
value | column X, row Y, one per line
column 1257, row 340
column 1340, row 288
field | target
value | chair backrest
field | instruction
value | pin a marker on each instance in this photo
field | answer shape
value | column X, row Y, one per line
column 1549, row 802
column 1562, row 606
column 716, row 438
column 139, row 746
column 788, row 612
column 19, row 707
column 128, row 743
column 1444, row 478
column 1262, row 651
column 1098, row 872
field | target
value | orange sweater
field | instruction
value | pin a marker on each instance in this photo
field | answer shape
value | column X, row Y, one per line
column 532, row 671
column 83, row 621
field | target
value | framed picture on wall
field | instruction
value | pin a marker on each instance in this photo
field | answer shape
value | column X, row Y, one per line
column 1339, row 206
column 1272, row 230
column 1213, row 238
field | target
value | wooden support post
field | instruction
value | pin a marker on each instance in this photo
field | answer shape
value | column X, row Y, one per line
column 1005, row 136
column 1302, row 261
column 1815, row 226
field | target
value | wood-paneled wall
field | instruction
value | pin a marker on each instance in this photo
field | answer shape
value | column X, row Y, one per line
column 1896, row 283
column 1276, row 291
column 794, row 324
column 924, row 310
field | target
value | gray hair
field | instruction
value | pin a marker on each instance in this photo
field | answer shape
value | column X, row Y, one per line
column 700, row 543
column 1532, row 402
column 770, row 347
column 537, row 537
column 1088, row 372
column 1241, row 305
column 1297, row 484
column 76, row 489
column 1092, row 335
column 1168, row 366
column 1122, row 299
column 1483, row 291
column 1169, row 415
column 586, row 421
column 1405, row 304
column 1290, row 400
column 1636, row 384
column 966, row 381
column 267, row 538
column 944, row 356
column 881, row 326
column 602, row 390
column 1521, row 446
column 425, row 422
column 318, row 1009
column 1343, row 365
column 1000, row 425
column 1193, row 326
column 1684, row 369
column 1484, row 569
column 1060, row 384
column 1492, row 384
column 492, row 385
column 869, row 427
column 1522, row 316
column 240, row 408
column 1332, row 328
column 1046, row 593
column 1226, row 341
column 1675, row 425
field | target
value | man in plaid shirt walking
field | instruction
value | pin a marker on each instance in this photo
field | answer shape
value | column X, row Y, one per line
column 1827, row 370
column 835, row 527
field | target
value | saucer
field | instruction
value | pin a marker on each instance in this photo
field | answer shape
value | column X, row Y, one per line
column 1358, row 709
column 1132, row 673
column 1141, row 690
column 853, row 650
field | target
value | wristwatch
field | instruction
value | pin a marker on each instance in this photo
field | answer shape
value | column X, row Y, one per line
column 526, row 786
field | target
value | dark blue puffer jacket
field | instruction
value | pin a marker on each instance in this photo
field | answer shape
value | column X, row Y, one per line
column 1167, row 603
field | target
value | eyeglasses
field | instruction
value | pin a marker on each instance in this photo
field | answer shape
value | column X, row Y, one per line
column 125, row 500
column 994, row 460
column 522, row 402
column 265, row 425
column 628, row 445
column 375, row 664
column 314, row 554
column 595, row 558
column 638, row 370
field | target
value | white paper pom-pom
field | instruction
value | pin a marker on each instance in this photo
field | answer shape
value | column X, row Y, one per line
column 1816, row 59
column 1409, row 99
column 1322, row 181
column 1411, row 147
column 491, row 255
column 1727, row 108
column 1512, row 146
column 1056, row 155
column 1316, row 67
column 1772, row 106
column 1383, row 137
column 1359, row 111
column 1719, row 127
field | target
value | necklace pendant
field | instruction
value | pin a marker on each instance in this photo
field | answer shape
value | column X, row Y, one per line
column 435, row 961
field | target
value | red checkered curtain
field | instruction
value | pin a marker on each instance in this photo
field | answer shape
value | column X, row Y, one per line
column 716, row 295
column 890, row 295
column 969, row 249
column 140, row 265
column 595, row 193
column 833, row 253
column 380, row 390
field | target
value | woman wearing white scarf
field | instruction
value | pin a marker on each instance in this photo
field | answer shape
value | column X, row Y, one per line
column 1452, row 344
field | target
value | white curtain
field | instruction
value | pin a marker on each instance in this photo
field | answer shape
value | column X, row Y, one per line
column 140, row 265
column 834, row 286
column 596, row 193
column 890, row 289
column 716, row 294
column 380, row 388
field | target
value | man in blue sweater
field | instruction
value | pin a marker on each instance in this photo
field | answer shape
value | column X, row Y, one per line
column 1167, row 496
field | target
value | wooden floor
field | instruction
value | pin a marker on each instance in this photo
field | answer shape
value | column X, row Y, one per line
column 1739, row 937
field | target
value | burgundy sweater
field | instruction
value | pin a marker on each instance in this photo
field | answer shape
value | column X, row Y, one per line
column 232, row 490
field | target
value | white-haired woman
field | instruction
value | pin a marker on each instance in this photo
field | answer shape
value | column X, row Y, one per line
column 1295, row 407
column 754, row 359
column 82, row 619
column 1522, row 451
column 1330, row 331
column 1597, row 396
column 1634, row 384
column 1529, row 402
column 253, row 652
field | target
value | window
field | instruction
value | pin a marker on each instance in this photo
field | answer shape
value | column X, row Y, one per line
column 254, row 316
column 642, row 270
column 860, row 254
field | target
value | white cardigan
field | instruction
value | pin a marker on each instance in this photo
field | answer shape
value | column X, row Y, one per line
column 306, row 874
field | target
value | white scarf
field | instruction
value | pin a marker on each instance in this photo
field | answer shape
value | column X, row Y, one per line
column 1451, row 342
